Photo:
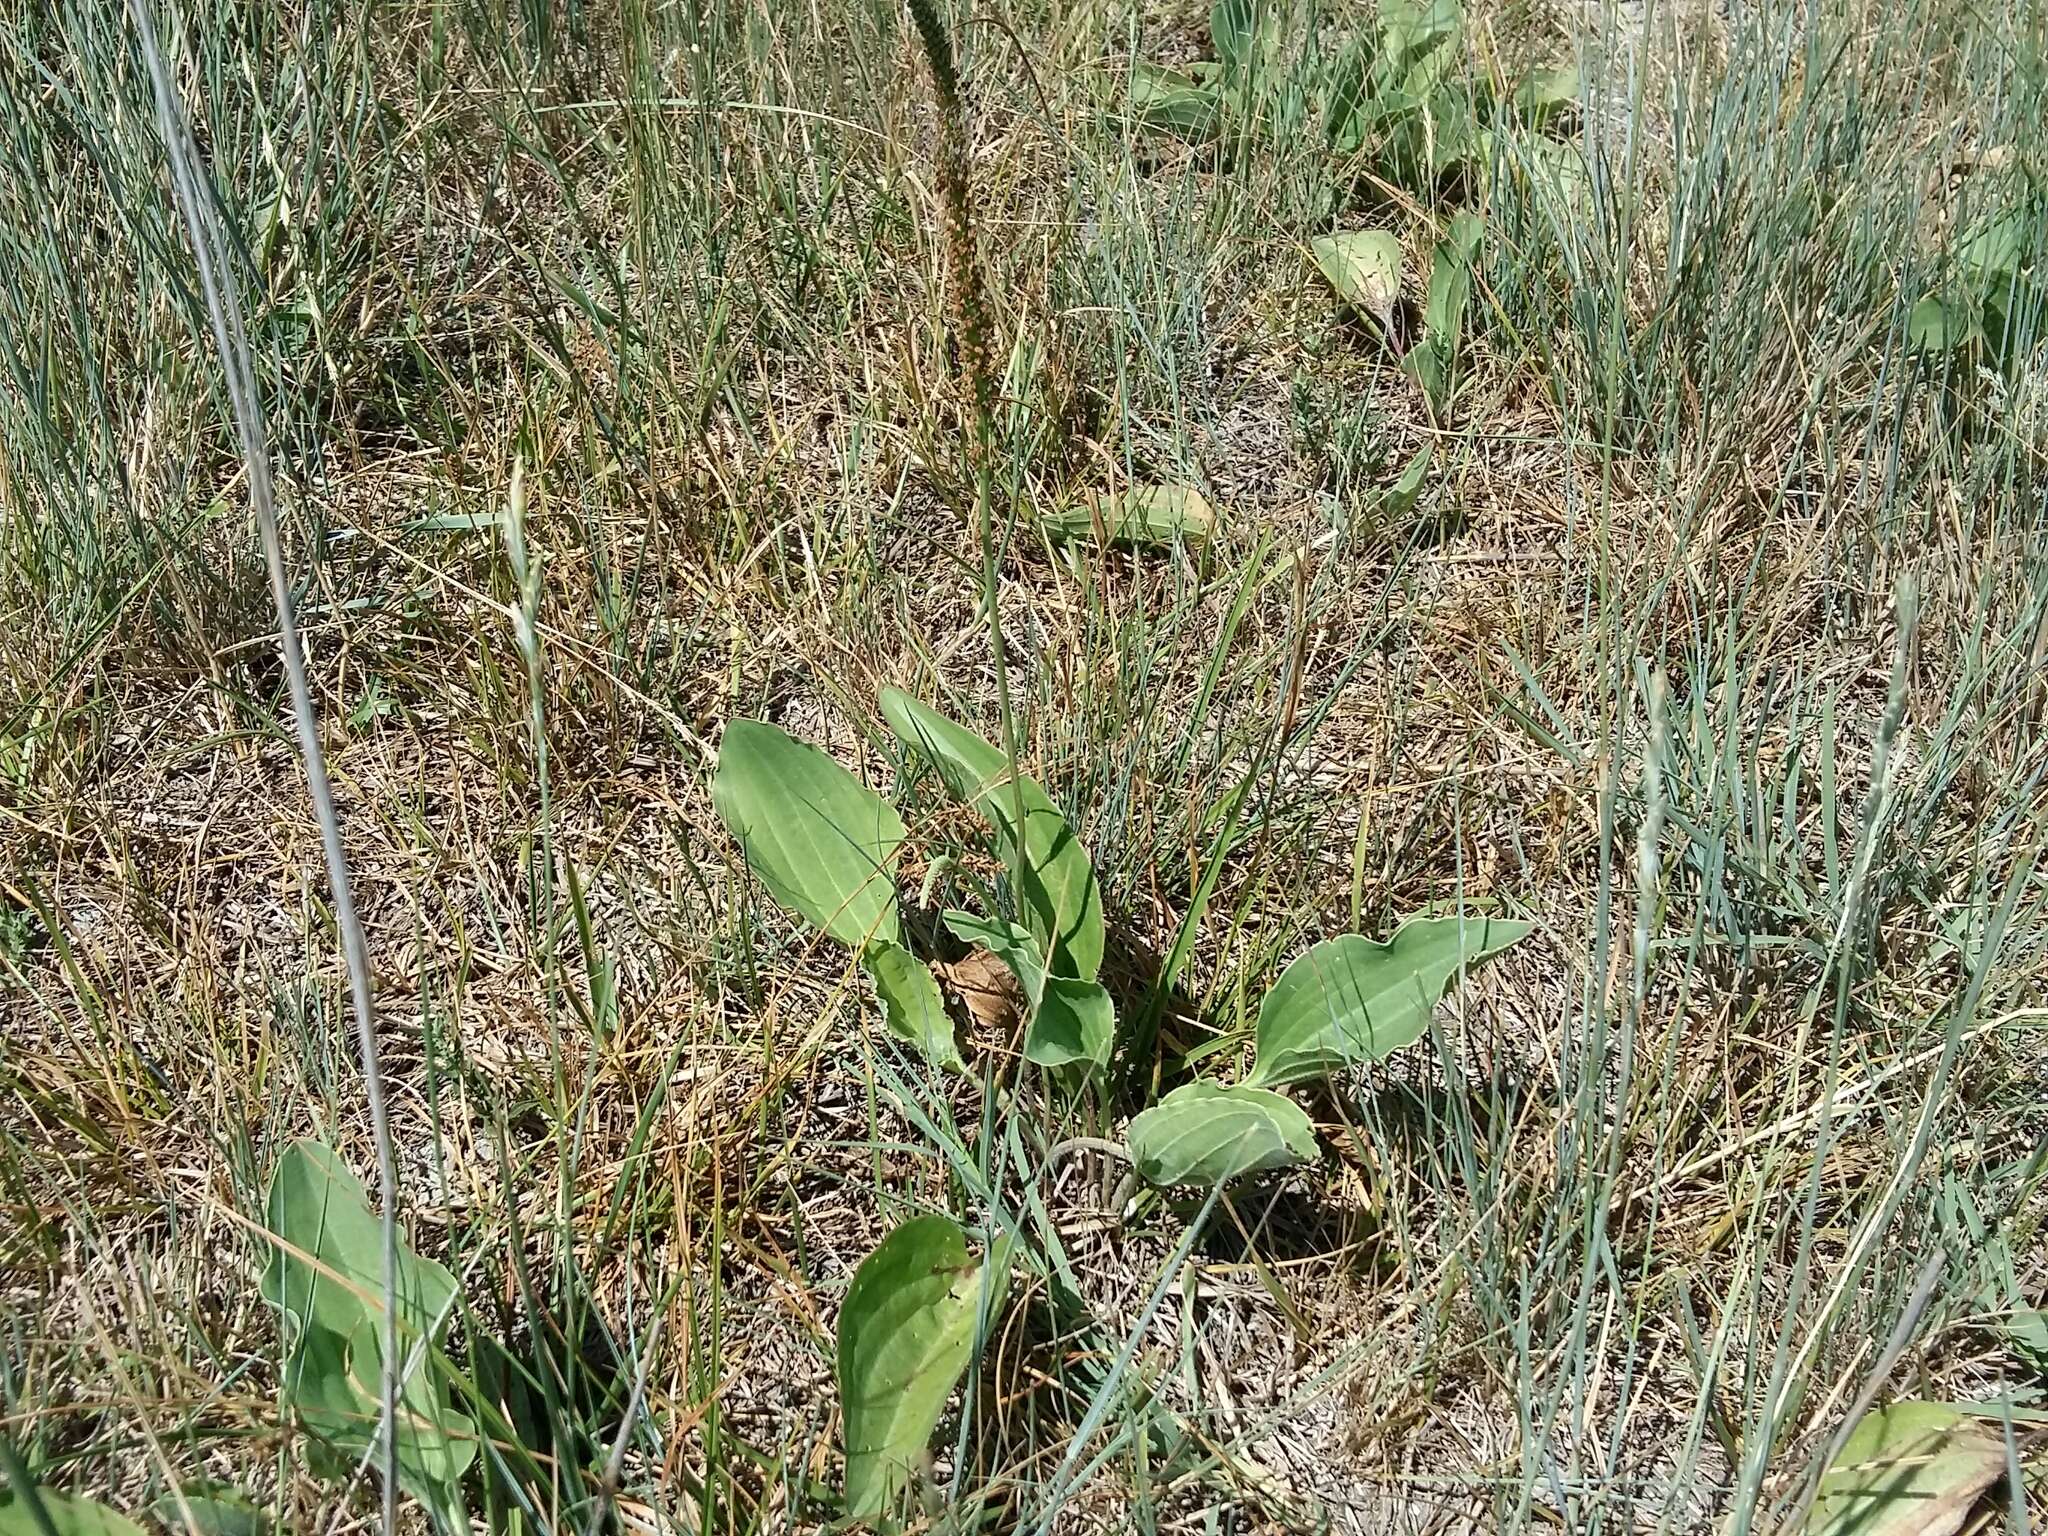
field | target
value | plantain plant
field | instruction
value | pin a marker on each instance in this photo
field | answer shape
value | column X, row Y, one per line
column 1395, row 97
column 1364, row 267
column 827, row 848
column 919, row 1308
column 1398, row 105
column 324, row 1275
column 1992, row 298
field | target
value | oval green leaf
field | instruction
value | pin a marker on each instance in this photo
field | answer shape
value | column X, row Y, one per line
column 1998, row 247
column 1144, row 516
column 326, row 1266
column 1543, row 93
column 1061, row 905
column 911, row 1323
column 911, row 1004
column 1938, row 324
column 1553, row 175
column 209, row 1512
column 1233, row 26
column 1364, row 266
column 326, row 1274
column 1069, row 1020
column 1412, row 29
column 1169, row 101
column 67, row 1516
column 1205, row 1134
column 1351, row 999
column 1074, row 1024
column 1399, row 499
column 822, row 842
column 1910, row 1469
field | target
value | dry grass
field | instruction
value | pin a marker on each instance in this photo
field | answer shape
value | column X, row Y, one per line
column 709, row 322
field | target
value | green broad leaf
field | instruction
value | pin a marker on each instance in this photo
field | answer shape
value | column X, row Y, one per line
column 1455, row 138
column 325, row 1274
column 1910, row 1469
column 1353, row 106
column 1432, row 363
column 1429, row 80
column 435, row 1443
column 209, row 1511
column 1062, row 906
column 1997, row 249
column 1068, row 1020
column 1553, row 175
column 1244, row 32
column 1364, row 266
column 911, row 1004
column 326, row 1266
column 2026, row 1329
column 822, row 842
column 1411, row 29
column 911, row 1324
column 1168, row 101
column 1939, row 324
column 320, row 1384
column 1542, row 94
column 67, row 1516
column 1353, row 999
column 1429, row 364
column 1208, row 1135
column 1074, row 1024
column 1398, row 500
column 1143, row 516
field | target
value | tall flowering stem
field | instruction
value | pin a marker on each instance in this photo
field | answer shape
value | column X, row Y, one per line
column 972, row 335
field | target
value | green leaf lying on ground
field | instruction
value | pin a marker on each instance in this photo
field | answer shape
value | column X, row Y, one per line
column 1169, row 101
column 1542, row 94
column 1140, row 517
column 67, row 1516
column 1412, row 29
column 822, row 842
column 907, row 1330
column 1352, row 999
column 1910, row 1469
column 911, row 1005
column 1938, row 324
column 1364, row 266
column 325, row 1274
column 1988, row 284
column 1205, row 1134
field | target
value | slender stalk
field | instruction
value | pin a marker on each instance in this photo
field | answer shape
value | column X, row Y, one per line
column 192, row 188
column 971, row 327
